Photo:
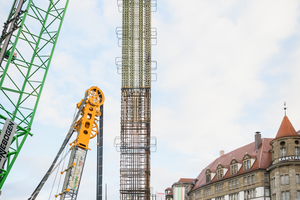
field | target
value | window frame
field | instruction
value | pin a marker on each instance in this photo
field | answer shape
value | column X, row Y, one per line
column 282, row 152
column 208, row 176
column 220, row 173
column 297, row 151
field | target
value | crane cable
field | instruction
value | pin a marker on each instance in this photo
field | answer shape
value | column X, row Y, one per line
column 57, row 167
column 58, row 164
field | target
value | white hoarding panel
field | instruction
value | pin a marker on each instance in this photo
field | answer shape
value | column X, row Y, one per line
column 6, row 137
column 77, row 169
column 178, row 193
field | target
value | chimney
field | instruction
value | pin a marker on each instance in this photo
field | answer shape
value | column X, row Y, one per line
column 258, row 140
column 222, row 153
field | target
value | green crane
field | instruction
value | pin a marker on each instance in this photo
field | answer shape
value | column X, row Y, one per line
column 27, row 44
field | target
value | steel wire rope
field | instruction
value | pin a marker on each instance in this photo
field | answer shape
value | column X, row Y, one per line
column 64, row 161
column 57, row 167
column 53, row 185
column 62, row 169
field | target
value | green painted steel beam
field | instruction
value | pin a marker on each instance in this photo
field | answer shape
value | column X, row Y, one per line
column 22, row 77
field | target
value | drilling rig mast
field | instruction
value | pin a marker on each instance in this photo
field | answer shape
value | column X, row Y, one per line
column 90, row 109
column 135, row 64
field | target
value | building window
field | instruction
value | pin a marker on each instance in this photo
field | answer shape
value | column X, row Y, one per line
column 266, row 177
column 207, row 191
column 220, row 198
column 298, row 194
column 285, row 195
column 273, row 182
column 297, row 178
column 220, row 187
column 267, row 192
column 207, row 178
column 284, row 179
column 247, row 164
column 287, row 181
column 245, row 180
column 233, row 184
column 274, row 196
column 233, row 169
column 297, row 151
column 249, row 180
column 249, row 194
column 220, row 173
column 253, row 178
column 283, row 152
column 234, row 196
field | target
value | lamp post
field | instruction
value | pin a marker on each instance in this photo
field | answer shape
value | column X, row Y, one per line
column 264, row 188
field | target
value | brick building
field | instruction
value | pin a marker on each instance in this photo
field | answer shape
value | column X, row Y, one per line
column 266, row 169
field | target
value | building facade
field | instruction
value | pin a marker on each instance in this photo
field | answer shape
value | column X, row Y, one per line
column 266, row 169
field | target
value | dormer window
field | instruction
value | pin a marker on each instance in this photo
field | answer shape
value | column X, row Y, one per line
column 220, row 173
column 208, row 175
column 235, row 166
column 233, row 169
column 248, row 162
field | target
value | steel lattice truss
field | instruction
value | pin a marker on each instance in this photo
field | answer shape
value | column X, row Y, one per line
column 22, row 77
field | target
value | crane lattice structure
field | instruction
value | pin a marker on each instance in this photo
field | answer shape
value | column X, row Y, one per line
column 27, row 44
column 136, row 37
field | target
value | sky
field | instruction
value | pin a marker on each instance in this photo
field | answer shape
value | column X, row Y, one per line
column 225, row 69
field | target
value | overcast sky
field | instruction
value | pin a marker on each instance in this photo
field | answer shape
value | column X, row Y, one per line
column 225, row 69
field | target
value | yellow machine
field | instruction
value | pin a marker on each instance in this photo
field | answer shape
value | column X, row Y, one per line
column 85, row 124
column 87, row 129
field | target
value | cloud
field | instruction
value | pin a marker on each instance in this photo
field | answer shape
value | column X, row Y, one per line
column 224, row 70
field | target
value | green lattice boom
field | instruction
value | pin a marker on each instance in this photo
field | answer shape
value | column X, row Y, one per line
column 22, row 78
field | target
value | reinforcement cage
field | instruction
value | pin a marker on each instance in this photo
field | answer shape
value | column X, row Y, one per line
column 135, row 100
column 135, row 144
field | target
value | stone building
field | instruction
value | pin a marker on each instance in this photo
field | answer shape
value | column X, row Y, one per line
column 266, row 169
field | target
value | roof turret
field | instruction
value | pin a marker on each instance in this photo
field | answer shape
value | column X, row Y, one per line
column 286, row 129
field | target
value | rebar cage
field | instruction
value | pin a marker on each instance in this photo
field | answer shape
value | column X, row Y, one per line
column 135, row 100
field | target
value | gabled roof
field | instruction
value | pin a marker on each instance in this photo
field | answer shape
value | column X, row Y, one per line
column 262, row 155
column 186, row 180
column 286, row 129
